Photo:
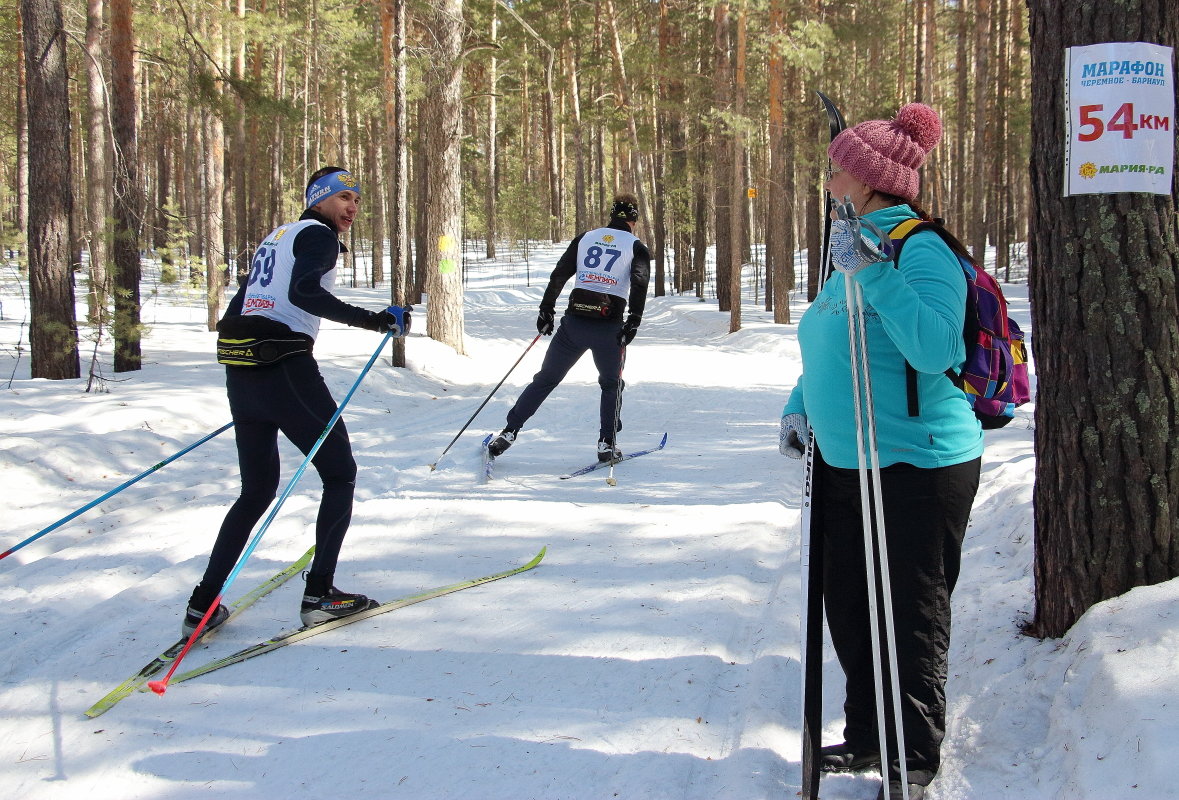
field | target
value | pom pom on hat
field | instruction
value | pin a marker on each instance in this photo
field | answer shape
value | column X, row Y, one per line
column 885, row 155
column 921, row 123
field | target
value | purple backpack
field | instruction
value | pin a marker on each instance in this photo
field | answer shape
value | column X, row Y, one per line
column 995, row 376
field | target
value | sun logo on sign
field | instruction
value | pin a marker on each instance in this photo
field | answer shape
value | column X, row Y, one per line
column 1088, row 170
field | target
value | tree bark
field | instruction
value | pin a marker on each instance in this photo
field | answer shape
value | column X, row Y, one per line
column 375, row 199
column 572, row 66
column 723, row 165
column 128, row 205
column 779, row 231
column 22, row 129
column 53, row 330
column 739, row 219
column 443, row 176
column 97, row 187
column 491, row 185
column 1106, row 322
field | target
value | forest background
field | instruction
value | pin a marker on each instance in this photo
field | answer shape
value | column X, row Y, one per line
column 509, row 122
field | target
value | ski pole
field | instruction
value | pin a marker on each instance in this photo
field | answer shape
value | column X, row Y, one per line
column 480, row 408
column 875, row 544
column 161, row 686
column 610, row 481
column 115, row 490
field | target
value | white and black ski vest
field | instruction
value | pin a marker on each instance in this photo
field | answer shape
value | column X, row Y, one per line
column 604, row 258
column 267, row 289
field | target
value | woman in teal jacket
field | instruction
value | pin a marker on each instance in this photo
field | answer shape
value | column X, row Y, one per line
column 930, row 462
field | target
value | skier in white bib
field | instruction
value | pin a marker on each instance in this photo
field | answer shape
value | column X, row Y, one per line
column 265, row 340
column 611, row 268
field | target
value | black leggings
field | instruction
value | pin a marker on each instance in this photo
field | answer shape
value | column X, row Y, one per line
column 925, row 515
column 290, row 397
column 574, row 336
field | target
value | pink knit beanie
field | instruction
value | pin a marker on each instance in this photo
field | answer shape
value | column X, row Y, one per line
column 885, row 155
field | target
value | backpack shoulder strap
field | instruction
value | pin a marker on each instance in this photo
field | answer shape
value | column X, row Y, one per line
column 903, row 229
column 898, row 236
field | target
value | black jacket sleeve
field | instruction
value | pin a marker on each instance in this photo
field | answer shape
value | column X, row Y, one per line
column 640, row 277
column 566, row 268
column 239, row 298
column 316, row 248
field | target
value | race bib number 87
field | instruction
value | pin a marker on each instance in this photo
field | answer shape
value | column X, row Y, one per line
column 593, row 258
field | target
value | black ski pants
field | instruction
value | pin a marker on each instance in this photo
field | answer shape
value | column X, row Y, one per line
column 290, row 397
column 925, row 515
column 574, row 336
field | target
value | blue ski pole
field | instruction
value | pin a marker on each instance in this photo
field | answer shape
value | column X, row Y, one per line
column 161, row 686
column 115, row 491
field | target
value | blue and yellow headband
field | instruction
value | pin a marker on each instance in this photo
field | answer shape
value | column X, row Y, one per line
column 330, row 184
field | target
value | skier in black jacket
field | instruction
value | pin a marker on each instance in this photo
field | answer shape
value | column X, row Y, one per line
column 612, row 269
column 273, row 382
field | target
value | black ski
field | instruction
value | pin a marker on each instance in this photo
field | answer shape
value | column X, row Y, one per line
column 811, row 550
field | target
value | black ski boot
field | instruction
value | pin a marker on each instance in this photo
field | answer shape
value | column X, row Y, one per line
column 608, row 451
column 502, row 442
column 196, row 612
column 844, row 758
column 323, row 602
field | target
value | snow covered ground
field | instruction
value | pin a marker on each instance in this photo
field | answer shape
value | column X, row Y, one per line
column 653, row 654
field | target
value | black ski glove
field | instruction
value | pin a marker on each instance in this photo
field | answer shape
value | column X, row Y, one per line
column 629, row 329
column 544, row 321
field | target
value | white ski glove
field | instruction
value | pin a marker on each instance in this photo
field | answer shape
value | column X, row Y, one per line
column 793, row 435
column 851, row 250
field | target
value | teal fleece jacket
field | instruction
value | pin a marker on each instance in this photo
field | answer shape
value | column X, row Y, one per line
column 915, row 313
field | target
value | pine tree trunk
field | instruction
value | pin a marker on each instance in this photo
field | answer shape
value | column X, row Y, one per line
column 22, row 129
column 53, row 330
column 572, row 65
column 393, row 81
column 779, row 232
column 214, row 185
column 1106, row 322
column 375, row 199
column 978, row 163
column 491, row 181
column 722, row 159
column 128, row 200
column 700, row 221
column 740, row 220
column 241, row 244
column 443, row 206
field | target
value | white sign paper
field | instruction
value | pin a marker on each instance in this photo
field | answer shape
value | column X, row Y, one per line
column 1120, row 104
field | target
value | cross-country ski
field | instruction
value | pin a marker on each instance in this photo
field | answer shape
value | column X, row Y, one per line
column 161, row 662
column 300, row 634
column 625, row 457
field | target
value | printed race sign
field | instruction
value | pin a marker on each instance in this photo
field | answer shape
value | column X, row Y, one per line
column 1120, row 103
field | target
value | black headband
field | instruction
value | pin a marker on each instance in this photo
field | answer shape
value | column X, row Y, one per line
column 625, row 210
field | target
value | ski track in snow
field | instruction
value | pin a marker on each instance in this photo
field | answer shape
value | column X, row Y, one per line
column 653, row 654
